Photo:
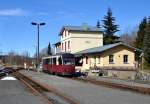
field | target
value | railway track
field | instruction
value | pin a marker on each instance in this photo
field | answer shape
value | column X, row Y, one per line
column 50, row 95
column 138, row 89
column 70, row 100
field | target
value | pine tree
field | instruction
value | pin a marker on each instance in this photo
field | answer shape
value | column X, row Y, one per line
column 140, row 34
column 146, row 45
column 98, row 24
column 49, row 49
column 109, row 28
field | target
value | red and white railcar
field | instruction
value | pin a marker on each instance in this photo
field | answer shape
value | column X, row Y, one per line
column 61, row 64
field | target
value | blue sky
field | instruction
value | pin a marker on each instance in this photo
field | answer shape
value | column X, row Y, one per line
column 17, row 33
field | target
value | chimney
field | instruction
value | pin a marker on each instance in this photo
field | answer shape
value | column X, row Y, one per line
column 85, row 26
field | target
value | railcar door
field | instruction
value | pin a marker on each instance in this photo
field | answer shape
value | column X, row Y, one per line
column 50, row 65
column 54, row 65
column 59, row 65
column 45, row 64
column 68, row 64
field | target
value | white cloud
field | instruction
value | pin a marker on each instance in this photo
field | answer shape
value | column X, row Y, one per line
column 12, row 12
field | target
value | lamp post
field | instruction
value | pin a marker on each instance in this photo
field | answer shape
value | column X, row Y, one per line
column 38, row 29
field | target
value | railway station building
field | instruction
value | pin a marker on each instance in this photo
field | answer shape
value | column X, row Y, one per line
column 86, row 43
column 76, row 38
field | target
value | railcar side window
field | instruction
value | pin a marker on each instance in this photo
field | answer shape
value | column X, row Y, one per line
column 78, row 61
column 54, row 61
column 60, row 61
column 46, row 61
column 43, row 61
column 50, row 61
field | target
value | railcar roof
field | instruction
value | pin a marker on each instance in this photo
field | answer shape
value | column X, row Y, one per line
column 57, row 55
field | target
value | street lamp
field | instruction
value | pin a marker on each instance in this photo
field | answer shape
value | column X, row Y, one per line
column 38, row 26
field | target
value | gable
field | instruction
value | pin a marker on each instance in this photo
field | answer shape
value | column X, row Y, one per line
column 121, row 49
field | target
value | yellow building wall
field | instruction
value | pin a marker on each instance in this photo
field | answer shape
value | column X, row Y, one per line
column 82, row 41
column 122, row 74
column 92, row 62
column 118, row 53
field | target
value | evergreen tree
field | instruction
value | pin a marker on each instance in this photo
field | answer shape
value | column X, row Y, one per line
column 146, row 45
column 110, row 28
column 140, row 37
column 49, row 49
column 98, row 24
column 140, row 34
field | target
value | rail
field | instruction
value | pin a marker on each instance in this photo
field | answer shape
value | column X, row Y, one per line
column 43, row 90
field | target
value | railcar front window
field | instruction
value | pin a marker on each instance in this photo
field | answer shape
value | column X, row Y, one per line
column 68, row 62
column 54, row 61
column 46, row 61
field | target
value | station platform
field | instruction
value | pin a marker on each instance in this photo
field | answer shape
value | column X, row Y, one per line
column 88, row 93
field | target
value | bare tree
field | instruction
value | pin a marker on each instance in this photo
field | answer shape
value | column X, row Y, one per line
column 13, row 58
column 129, row 37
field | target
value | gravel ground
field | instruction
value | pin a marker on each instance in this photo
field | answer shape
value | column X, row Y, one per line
column 87, row 93
column 12, row 92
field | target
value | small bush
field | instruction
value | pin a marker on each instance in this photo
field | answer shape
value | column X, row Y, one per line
column 146, row 65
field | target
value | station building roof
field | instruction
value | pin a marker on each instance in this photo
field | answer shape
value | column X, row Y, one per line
column 81, row 29
column 104, row 48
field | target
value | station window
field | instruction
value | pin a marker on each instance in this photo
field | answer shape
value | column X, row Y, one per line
column 111, row 58
column 125, row 58
column 62, row 46
column 99, row 59
column 65, row 33
column 68, row 44
column 86, row 59
column 95, row 59
column 65, row 46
